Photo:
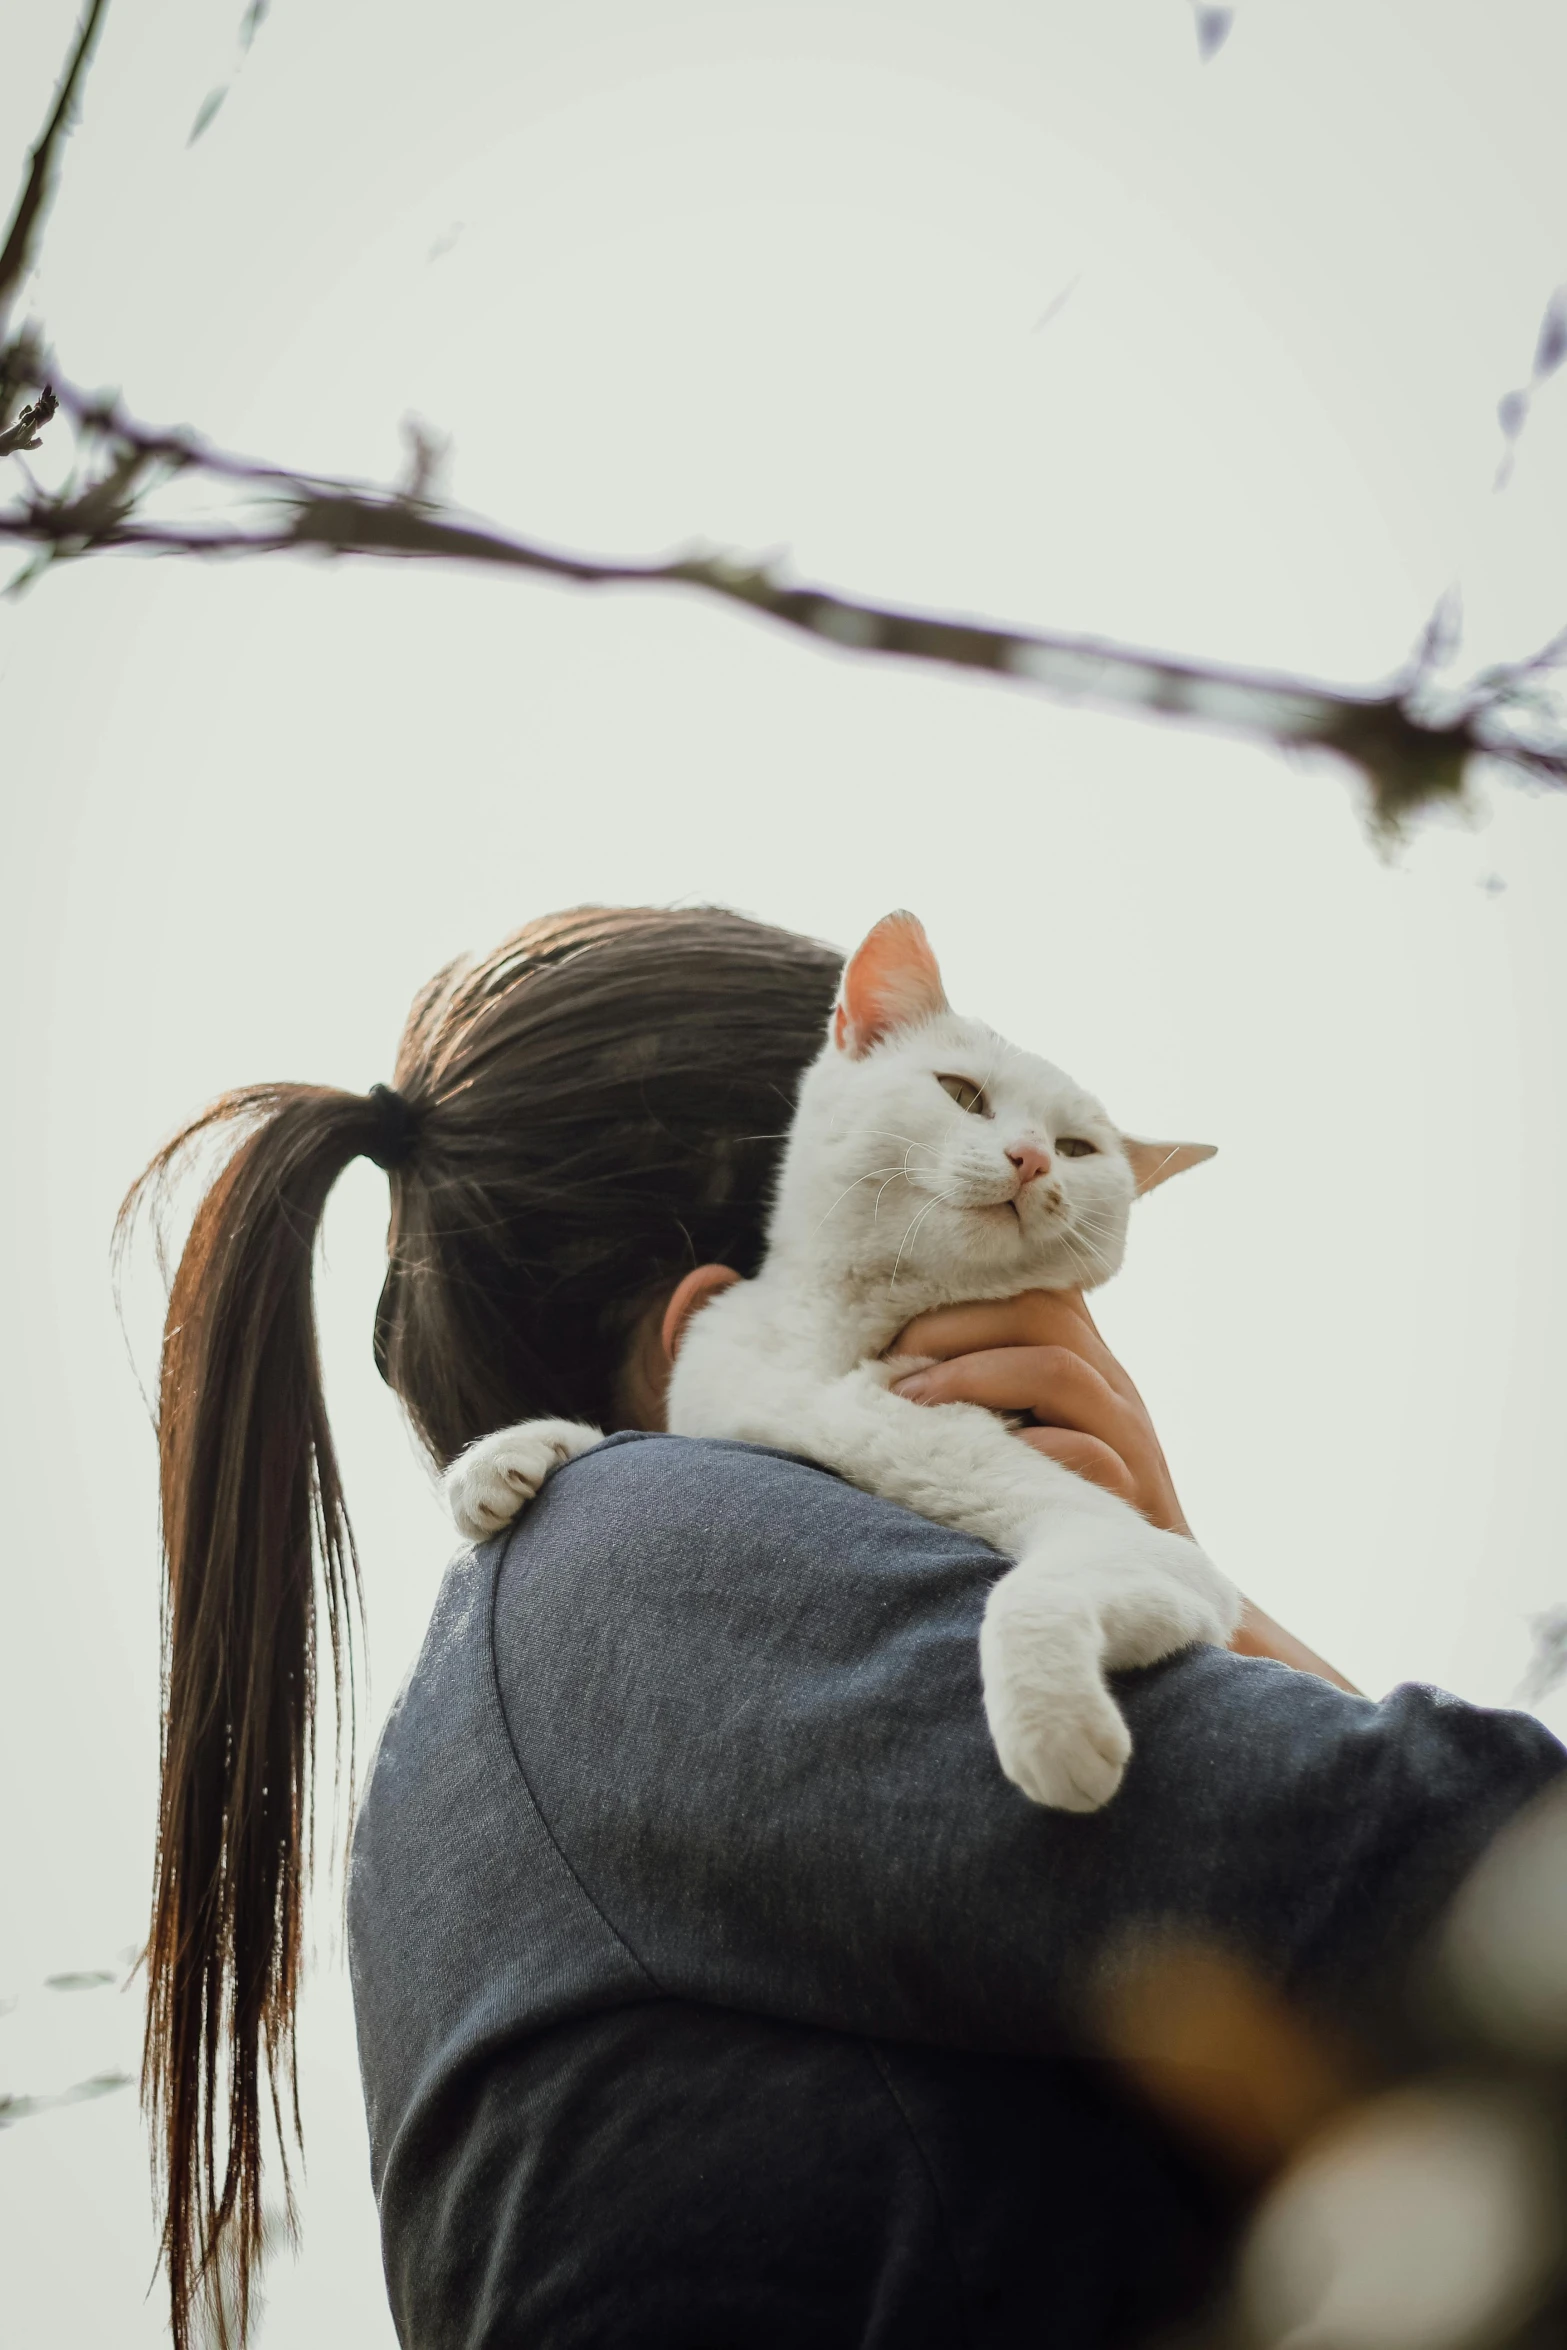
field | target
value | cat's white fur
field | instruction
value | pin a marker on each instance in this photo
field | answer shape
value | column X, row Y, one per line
column 893, row 1199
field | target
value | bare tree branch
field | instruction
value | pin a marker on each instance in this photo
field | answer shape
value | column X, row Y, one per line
column 1413, row 742
column 21, row 246
column 32, row 205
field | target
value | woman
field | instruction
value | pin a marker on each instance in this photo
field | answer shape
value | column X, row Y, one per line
column 713, row 1987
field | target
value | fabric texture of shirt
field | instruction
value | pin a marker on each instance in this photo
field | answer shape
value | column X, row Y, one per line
column 715, row 1989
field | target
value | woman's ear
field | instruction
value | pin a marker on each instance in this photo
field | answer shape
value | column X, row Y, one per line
column 891, row 981
column 1154, row 1163
column 699, row 1287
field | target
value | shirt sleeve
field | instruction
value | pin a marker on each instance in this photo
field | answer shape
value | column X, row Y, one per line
column 745, row 1697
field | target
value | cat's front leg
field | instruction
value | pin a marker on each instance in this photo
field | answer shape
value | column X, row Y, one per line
column 492, row 1480
column 1097, row 1595
column 1058, row 1733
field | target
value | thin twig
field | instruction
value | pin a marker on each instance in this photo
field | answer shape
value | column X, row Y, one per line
column 20, row 250
column 27, row 431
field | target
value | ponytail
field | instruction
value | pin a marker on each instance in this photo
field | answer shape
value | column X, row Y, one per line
column 581, row 1116
column 252, row 1513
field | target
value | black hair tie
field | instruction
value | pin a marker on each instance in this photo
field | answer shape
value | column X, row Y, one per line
column 397, row 1128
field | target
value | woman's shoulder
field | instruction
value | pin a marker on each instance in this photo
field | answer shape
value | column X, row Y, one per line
column 635, row 1457
column 635, row 1464
column 656, row 1561
column 672, row 1511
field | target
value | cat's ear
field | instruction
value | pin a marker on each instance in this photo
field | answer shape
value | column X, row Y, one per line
column 891, row 981
column 1154, row 1163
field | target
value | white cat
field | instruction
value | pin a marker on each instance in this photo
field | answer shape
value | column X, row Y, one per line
column 930, row 1162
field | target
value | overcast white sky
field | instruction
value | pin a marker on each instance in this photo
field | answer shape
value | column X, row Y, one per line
column 772, row 275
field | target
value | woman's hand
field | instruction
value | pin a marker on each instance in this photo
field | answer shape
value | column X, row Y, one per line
column 1040, row 1354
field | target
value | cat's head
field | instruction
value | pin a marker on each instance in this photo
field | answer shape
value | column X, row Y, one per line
column 929, row 1154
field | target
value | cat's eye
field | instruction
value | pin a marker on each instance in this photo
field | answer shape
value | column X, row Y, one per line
column 1076, row 1146
column 966, row 1094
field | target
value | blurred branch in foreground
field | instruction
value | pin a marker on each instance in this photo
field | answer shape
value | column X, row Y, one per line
column 1412, row 740
column 1214, row 26
column 1408, row 2189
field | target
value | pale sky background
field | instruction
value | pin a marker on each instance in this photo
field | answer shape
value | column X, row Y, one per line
column 771, row 275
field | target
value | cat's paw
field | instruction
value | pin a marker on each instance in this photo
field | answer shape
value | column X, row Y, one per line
column 1069, row 1757
column 488, row 1484
column 1057, row 1731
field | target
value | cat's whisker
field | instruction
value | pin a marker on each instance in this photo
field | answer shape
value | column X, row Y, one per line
column 909, row 1236
column 1083, row 1265
column 912, row 1140
column 903, row 1170
column 892, row 1178
column 869, row 1176
column 1098, row 1223
column 1096, row 1212
column 904, row 1242
column 1093, row 1233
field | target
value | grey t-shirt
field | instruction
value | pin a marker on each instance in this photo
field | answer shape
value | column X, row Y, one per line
column 714, row 1987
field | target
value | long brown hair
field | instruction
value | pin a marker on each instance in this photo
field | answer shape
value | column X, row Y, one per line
column 578, row 1119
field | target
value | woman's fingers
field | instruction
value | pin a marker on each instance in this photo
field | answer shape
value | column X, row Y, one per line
column 1006, row 1321
column 1052, row 1383
column 1041, row 1354
column 1063, row 1390
column 1039, row 1317
column 1086, row 1457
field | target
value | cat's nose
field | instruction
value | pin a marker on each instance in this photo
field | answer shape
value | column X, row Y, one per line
column 1029, row 1161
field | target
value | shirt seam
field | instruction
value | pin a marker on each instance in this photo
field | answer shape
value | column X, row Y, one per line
column 531, row 1792
column 880, row 2068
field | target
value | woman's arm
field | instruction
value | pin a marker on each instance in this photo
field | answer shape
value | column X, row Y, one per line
column 1041, row 1354
column 1258, row 1635
column 744, row 1697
